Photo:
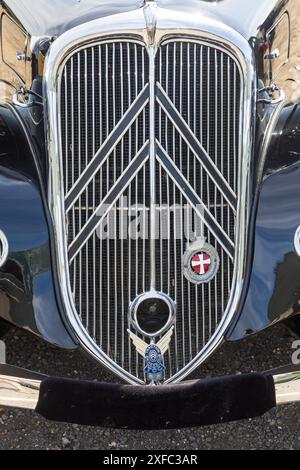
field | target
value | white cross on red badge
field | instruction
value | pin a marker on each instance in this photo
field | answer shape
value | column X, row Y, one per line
column 201, row 263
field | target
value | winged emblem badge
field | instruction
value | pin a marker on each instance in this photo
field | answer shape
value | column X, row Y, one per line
column 153, row 354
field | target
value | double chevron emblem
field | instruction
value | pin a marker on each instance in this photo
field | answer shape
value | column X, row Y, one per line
column 160, row 157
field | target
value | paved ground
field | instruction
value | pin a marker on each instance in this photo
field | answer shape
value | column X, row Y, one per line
column 279, row 429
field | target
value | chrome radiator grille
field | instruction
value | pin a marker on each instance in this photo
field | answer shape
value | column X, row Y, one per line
column 105, row 139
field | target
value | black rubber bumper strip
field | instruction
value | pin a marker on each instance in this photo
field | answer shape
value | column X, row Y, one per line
column 190, row 404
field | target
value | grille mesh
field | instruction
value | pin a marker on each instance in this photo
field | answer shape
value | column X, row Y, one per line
column 98, row 86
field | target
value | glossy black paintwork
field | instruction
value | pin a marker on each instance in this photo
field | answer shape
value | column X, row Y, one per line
column 273, row 293
column 27, row 297
column 274, row 289
column 29, row 279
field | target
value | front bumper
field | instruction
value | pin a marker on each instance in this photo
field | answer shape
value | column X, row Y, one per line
column 189, row 404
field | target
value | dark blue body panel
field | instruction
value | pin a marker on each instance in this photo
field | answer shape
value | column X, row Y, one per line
column 274, row 288
column 272, row 292
column 27, row 294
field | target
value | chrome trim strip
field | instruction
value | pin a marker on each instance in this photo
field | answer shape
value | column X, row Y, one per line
column 271, row 126
column 297, row 241
column 4, row 249
column 152, row 54
column 131, row 25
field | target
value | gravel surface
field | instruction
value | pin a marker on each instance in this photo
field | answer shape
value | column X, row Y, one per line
column 279, row 429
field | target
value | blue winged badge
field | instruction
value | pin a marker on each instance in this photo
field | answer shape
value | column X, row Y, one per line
column 153, row 355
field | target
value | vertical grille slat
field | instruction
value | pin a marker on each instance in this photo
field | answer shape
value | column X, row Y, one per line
column 99, row 84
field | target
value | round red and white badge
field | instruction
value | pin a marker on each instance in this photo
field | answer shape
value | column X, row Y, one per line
column 200, row 262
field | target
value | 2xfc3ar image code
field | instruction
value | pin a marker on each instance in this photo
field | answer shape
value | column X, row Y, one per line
column 151, row 459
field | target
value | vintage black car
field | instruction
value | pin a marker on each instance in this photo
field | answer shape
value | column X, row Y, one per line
column 149, row 200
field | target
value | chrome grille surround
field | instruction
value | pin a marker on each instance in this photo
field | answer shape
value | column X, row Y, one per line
column 116, row 31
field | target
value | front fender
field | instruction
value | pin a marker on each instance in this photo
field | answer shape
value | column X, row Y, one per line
column 274, row 284
column 27, row 293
